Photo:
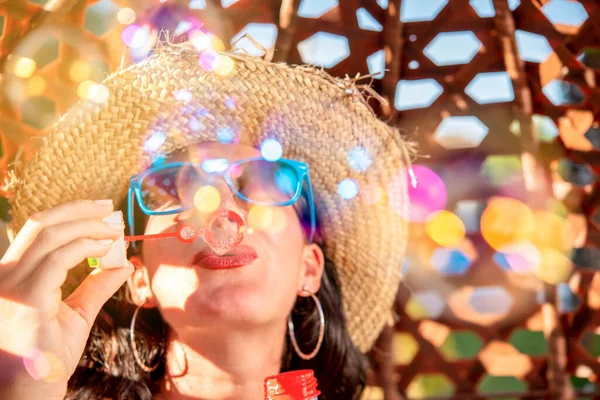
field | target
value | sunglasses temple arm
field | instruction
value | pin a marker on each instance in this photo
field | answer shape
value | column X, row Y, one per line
column 313, row 219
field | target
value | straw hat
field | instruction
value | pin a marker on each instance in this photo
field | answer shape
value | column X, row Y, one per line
column 94, row 149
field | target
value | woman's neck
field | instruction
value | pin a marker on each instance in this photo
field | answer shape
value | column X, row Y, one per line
column 221, row 365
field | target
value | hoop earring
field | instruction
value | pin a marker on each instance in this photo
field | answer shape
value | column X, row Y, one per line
column 134, row 346
column 321, row 330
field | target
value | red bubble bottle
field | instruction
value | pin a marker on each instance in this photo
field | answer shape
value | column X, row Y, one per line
column 293, row 385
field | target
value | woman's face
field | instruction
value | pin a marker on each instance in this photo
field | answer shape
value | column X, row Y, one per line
column 260, row 292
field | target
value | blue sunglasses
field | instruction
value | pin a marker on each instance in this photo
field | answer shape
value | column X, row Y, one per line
column 162, row 186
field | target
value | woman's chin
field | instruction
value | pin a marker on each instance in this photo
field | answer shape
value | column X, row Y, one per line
column 226, row 306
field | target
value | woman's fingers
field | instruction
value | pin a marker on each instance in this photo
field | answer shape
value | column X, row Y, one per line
column 63, row 213
column 52, row 271
column 53, row 237
column 96, row 289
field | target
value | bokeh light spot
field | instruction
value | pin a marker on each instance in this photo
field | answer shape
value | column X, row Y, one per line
column 79, row 71
column 348, row 188
column 371, row 194
column 225, row 65
column 209, row 60
column 429, row 194
column 215, row 165
column 445, row 228
column 523, row 257
column 505, row 221
column 554, row 267
column 225, row 134
column 126, row 16
column 207, row 199
column 44, row 366
column 359, row 159
column 83, row 89
column 36, row 86
column 98, row 93
column 260, row 217
column 136, row 37
column 154, row 142
column 271, row 150
column 24, row 67
column 450, row 261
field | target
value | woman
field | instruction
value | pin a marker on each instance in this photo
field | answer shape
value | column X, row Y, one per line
column 210, row 327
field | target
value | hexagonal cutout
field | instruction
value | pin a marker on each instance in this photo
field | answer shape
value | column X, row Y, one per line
column 590, row 342
column 367, row 22
column 450, row 261
column 502, row 169
column 532, row 47
column 316, row 8
column 418, row 10
column 425, row 304
column 416, row 94
column 513, row 4
column 593, row 135
column 483, row 8
column 590, row 58
column 461, row 345
column 564, row 12
column 546, row 128
column 453, row 48
column 228, row 3
column 405, row 348
column 531, row 343
column 1, row 25
column 563, row 93
column 38, row 112
column 501, row 384
column 502, row 359
column 101, row 17
column 430, row 385
column 491, row 87
column 577, row 174
column 324, row 49
column 376, row 64
column 265, row 34
column 583, row 384
column 460, row 132
column 490, row 300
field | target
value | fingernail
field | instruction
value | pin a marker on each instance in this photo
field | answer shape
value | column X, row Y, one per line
column 104, row 202
column 116, row 227
column 106, row 242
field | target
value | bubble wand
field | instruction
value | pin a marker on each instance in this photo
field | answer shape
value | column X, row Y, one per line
column 185, row 233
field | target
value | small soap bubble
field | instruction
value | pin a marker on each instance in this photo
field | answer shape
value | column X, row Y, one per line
column 154, row 142
column 215, row 165
column 271, row 150
column 126, row 16
column 348, row 188
column 225, row 134
column 359, row 159
column 207, row 199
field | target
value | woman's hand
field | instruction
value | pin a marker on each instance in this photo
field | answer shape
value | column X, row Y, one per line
column 42, row 337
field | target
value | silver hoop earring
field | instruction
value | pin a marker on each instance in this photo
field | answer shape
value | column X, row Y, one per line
column 321, row 330
column 134, row 346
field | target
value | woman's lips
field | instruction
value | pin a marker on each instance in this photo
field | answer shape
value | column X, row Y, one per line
column 239, row 257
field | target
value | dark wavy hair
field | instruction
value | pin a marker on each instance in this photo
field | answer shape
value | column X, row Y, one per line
column 108, row 369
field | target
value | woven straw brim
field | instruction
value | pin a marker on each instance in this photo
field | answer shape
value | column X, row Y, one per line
column 95, row 148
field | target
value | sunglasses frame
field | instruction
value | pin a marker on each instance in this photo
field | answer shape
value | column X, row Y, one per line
column 135, row 189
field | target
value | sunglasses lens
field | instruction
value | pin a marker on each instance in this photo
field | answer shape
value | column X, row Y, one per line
column 266, row 182
column 167, row 188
